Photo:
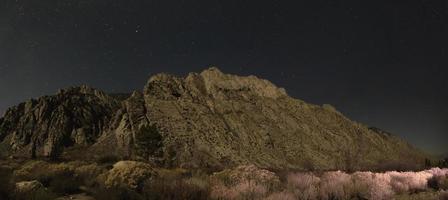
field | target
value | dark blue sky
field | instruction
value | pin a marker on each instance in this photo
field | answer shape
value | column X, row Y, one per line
column 383, row 63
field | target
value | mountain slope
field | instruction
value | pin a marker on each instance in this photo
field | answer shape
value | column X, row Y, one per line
column 214, row 119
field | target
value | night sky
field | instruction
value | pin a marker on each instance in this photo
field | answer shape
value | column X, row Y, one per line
column 383, row 63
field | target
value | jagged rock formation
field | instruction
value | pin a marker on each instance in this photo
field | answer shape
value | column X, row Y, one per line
column 212, row 119
column 42, row 127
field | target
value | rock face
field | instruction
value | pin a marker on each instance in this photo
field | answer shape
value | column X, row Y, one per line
column 211, row 119
column 44, row 126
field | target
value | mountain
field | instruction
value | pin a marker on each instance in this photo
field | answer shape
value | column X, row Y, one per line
column 208, row 119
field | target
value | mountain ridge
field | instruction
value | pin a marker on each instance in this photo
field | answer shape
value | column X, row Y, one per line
column 208, row 119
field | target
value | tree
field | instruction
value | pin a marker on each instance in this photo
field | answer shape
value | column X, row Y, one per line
column 148, row 141
column 428, row 163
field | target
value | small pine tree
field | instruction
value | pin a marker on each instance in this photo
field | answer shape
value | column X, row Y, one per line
column 428, row 163
column 443, row 163
column 148, row 141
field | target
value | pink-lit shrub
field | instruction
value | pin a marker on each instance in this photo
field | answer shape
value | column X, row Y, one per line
column 303, row 185
column 380, row 187
column 403, row 182
column 335, row 185
column 243, row 182
column 220, row 191
column 439, row 179
column 284, row 195
column 438, row 172
column 251, row 172
column 243, row 190
column 384, row 185
column 251, row 190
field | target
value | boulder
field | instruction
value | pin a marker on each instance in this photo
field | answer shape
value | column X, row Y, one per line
column 28, row 186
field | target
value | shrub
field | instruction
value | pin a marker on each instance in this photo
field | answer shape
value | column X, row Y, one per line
column 179, row 188
column 439, row 179
column 176, row 184
column 368, row 185
column 220, row 191
column 362, row 182
column 444, row 183
column 433, row 183
column 127, row 174
column 60, row 182
column 61, row 178
column 64, row 182
column 243, row 182
column 242, row 190
column 303, row 185
column 335, row 185
column 284, row 195
column 115, row 193
column 107, row 159
column 438, row 172
column 31, row 170
column 403, row 182
column 248, row 172
column 88, row 173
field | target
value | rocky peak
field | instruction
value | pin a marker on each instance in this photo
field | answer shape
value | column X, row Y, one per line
column 87, row 92
column 211, row 83
column 216, row 81
column 43, row 126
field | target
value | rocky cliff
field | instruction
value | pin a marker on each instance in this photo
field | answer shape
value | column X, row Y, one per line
column 207, row 119
column 44, row 126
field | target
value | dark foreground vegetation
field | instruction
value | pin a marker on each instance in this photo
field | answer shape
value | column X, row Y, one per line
column 110, row 179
